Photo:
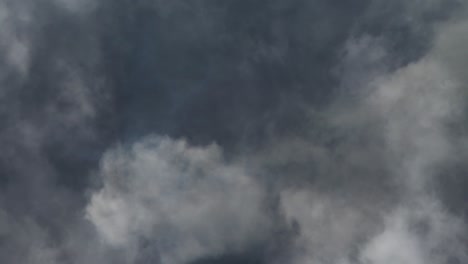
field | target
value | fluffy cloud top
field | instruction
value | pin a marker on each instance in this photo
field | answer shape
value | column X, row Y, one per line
column 187, row 200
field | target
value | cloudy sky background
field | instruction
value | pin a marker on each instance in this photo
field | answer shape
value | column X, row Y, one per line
column 230, row 131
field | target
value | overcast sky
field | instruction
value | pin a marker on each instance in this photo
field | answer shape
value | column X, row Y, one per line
column 233, row 131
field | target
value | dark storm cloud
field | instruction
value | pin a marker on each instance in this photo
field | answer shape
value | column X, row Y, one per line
column 202, row 63
column 232, row 131
column 50, row 93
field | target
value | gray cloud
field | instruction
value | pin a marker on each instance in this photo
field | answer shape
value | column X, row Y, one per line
column 233, row 132
column 412, row 107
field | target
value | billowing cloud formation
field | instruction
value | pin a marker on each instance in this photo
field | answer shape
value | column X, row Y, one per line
column 421, row 233
column 187, row 200
column 413, row 107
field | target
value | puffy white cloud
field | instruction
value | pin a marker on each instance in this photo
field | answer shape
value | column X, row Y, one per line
column 422, row 233
column 416, row 104
column 187, row 200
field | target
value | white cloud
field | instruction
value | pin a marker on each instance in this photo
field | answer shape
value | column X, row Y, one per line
column 422, row 233
column 412, row 108
column 187, row 200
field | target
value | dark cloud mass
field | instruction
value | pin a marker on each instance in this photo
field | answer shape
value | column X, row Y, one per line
column 229, row 131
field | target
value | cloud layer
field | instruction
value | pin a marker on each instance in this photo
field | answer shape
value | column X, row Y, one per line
column 205, row 132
